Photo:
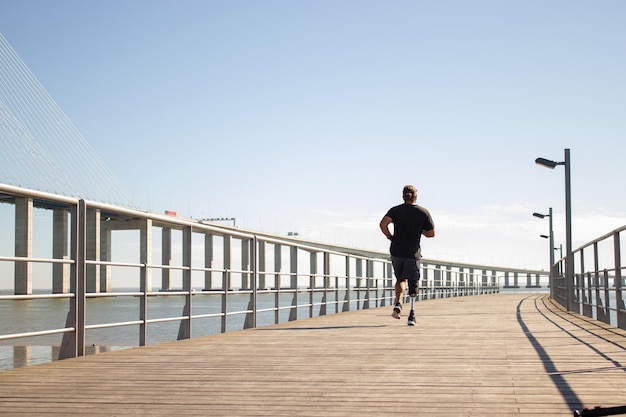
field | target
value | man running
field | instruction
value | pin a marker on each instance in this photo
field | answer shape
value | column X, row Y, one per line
column 410, row 222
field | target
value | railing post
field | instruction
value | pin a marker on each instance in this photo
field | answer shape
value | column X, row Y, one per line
column 260, row 244
column 607, row 298
column 278, row 262
column 254, row 278
column 187, row 252
column 227, row 246
column 69, row 342
column 81, row 277
column 145, row 283
column 225, row 286
column 312, row 282
column 601, row 312
column 251, row 315
column 619, row 301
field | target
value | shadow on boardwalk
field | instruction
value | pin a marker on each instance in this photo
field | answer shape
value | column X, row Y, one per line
column 499, row 355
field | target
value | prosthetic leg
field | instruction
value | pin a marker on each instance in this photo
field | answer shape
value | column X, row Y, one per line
column 413, row 285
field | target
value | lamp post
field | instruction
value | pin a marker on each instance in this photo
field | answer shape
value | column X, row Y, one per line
column 551, row 237
column 569, row 258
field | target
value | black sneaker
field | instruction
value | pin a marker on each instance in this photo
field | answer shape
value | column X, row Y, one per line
column 397, row 311
column 411, row 321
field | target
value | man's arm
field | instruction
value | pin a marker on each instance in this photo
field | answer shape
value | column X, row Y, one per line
column 429, row 233
column 384, row 226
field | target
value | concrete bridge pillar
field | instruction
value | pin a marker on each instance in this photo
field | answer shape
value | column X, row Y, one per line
column 245, row 264
column 326, row 266
column 359, row 273
column 23, row 245
column 166, row 258
column 369, row 281
column 327, row 285
column 93, row 249
column 278, row 262
column 293, row 268
column 313, row 269
column 293, row 261
column 507, row 283
column 261, row 265
column 438, row 276
column 105, row 255
column 208, row 262
column 145, row 253
column 60, row 272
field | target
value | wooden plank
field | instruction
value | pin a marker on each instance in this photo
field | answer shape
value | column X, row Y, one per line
column 492, row 355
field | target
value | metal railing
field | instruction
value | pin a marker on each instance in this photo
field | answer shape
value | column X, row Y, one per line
column 598, row 281
column 221, row 278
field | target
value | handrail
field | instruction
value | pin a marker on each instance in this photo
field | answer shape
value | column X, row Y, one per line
column 598, row 282
column 280, row 278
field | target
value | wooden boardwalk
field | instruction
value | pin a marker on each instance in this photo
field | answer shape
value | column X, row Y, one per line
column 491, row 355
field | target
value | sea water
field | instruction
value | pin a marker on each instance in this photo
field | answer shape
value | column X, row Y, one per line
column 32, row 315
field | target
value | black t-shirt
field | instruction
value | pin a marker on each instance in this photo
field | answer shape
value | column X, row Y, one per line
column 409, row 220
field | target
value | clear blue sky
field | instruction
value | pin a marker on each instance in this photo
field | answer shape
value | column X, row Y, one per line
column 310, row 116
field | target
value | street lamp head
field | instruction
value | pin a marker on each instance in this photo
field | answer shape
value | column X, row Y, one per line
column 544, row 236
column 541, row 216
column 546, row 163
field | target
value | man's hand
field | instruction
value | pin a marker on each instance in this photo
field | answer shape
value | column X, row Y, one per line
column 384, row 226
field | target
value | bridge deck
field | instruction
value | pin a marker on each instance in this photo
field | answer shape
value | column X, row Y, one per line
column 471, row 356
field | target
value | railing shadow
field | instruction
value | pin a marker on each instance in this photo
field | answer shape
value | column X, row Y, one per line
column 559, row 381
column 616, row 363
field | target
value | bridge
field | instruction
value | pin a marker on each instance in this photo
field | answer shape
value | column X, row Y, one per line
column 317, row 337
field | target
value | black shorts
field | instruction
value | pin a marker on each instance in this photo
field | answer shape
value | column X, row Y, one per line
column 406, row 268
